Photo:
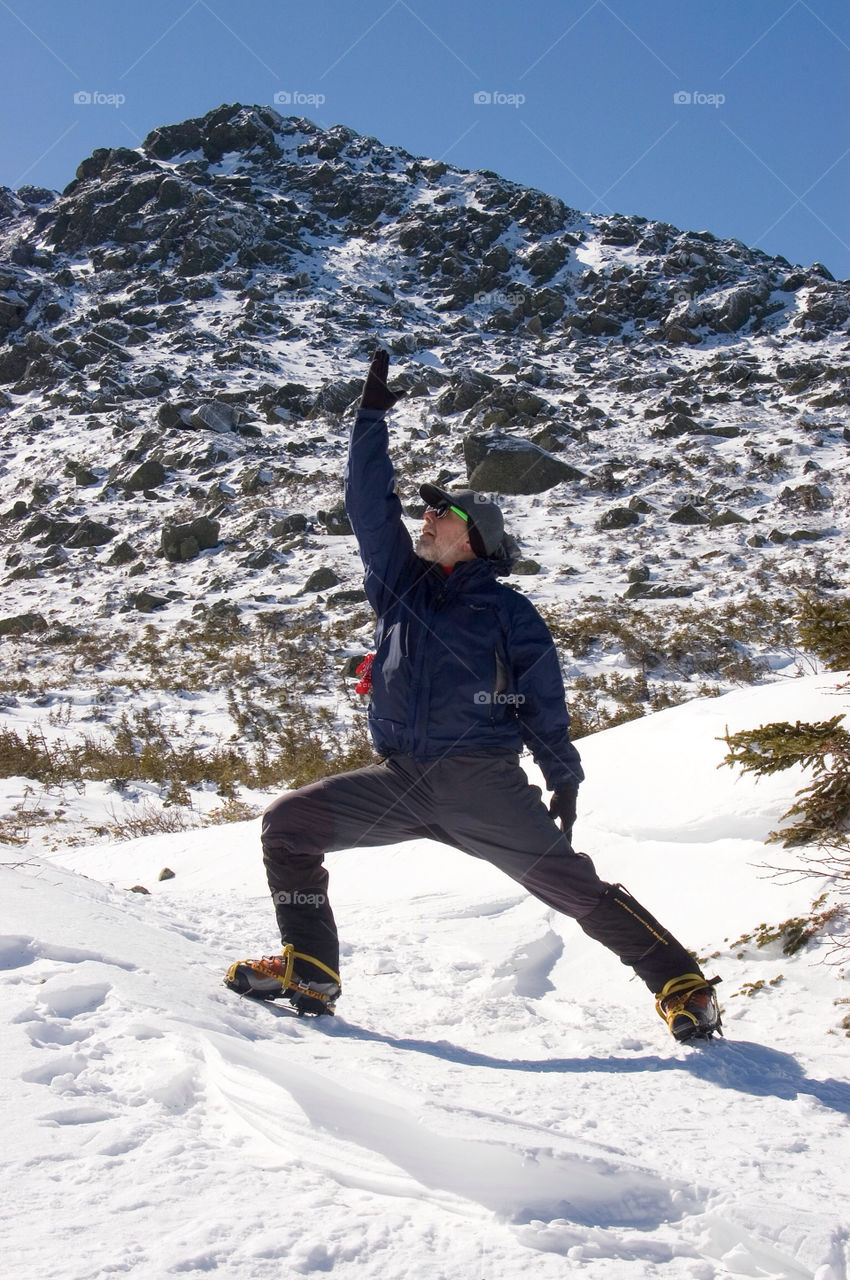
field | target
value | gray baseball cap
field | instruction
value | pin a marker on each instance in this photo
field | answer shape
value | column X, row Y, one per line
column 486, row 523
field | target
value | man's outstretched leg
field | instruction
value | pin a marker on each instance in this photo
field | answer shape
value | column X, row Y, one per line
column 493, row 812
column 371, row 806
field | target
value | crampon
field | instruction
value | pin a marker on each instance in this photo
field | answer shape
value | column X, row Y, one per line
column 689, row 1006
column 276, row 977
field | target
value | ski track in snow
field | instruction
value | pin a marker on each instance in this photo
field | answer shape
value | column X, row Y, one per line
column 495, row 1095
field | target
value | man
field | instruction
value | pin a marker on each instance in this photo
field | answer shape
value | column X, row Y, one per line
column 465, row 674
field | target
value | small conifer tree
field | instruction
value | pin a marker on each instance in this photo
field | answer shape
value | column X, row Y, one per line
column 822, row 811
column 820, row 817
column 824, row 630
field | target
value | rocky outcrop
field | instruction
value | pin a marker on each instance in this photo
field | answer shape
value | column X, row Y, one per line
column 181, row 542
column 507, row 464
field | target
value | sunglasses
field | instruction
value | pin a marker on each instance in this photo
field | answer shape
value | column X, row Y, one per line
column 443, row 508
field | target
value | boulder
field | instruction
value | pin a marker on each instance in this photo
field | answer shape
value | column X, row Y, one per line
column 123, row 554
column 807, row 535
column 465, row 390
column 294, row 523
column 181, row 542
column 321, row 580
column 146, row 602
column 336, row 521
column 90, row 533
column 21, row 624
column 618, row 518
column 806, row 497
column 255, row 478
column 727, row 516
column 498, row 463
column 149, row 475
column 215, row 415
column 335, row 397
column 643, row 591
column 688, row 514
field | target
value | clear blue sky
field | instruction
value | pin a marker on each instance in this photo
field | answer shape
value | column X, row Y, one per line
column 599, row 126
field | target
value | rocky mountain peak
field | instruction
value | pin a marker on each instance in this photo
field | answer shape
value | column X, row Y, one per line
column 185, row 326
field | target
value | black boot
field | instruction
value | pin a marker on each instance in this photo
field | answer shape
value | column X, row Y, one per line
column 622, row 925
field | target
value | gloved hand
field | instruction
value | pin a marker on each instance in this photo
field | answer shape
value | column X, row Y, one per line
column 376, row 393
column 563, row 806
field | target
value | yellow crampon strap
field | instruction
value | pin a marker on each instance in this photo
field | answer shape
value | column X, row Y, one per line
column 282, row 969
column 300, row 955
column 675, row 992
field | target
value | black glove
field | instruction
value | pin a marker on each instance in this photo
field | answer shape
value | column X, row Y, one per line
column 563, row 806
column 376, row 393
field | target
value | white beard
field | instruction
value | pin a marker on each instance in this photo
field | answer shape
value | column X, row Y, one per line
column 426, row 548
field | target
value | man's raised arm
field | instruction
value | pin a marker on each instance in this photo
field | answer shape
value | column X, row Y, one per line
column 373, row 507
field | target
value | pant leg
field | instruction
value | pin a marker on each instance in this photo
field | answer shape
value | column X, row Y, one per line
column 491, row 810
column 376, row 805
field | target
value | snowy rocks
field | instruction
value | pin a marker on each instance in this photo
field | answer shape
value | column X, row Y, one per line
column 720, row 311
column 618, row 518
column 335, row 397
column 466, row 389
column 507, row 464
column 545, row 260
column 688, row 514
column 22, row 624
column 255, row 478
column 147, row 602
column 321, row 580
column 90, row 533
column 659, row 591
column 123, row 553
column 181, row 542
column 805, row 497
column 726, row 517
column 214, row 415
column 148, row 475
column 336, row 521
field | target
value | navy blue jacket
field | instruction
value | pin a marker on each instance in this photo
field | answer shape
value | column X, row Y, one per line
column 463, row 662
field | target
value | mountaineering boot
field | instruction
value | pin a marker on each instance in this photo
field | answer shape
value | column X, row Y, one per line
column 273, row 977
column 689, row 1007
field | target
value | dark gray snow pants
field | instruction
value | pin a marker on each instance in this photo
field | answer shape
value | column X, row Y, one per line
column 481, row 803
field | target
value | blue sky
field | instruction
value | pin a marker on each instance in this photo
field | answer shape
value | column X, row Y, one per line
column 730, row 117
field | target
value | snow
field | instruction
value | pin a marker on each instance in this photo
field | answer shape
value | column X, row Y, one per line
column 495, row 1096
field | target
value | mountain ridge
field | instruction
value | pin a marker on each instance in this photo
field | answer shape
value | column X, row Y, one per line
column 663, row 415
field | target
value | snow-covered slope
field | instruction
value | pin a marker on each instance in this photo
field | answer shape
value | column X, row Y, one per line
column 495, row 1097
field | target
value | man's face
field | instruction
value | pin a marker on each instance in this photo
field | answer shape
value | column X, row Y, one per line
column 444, row 539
